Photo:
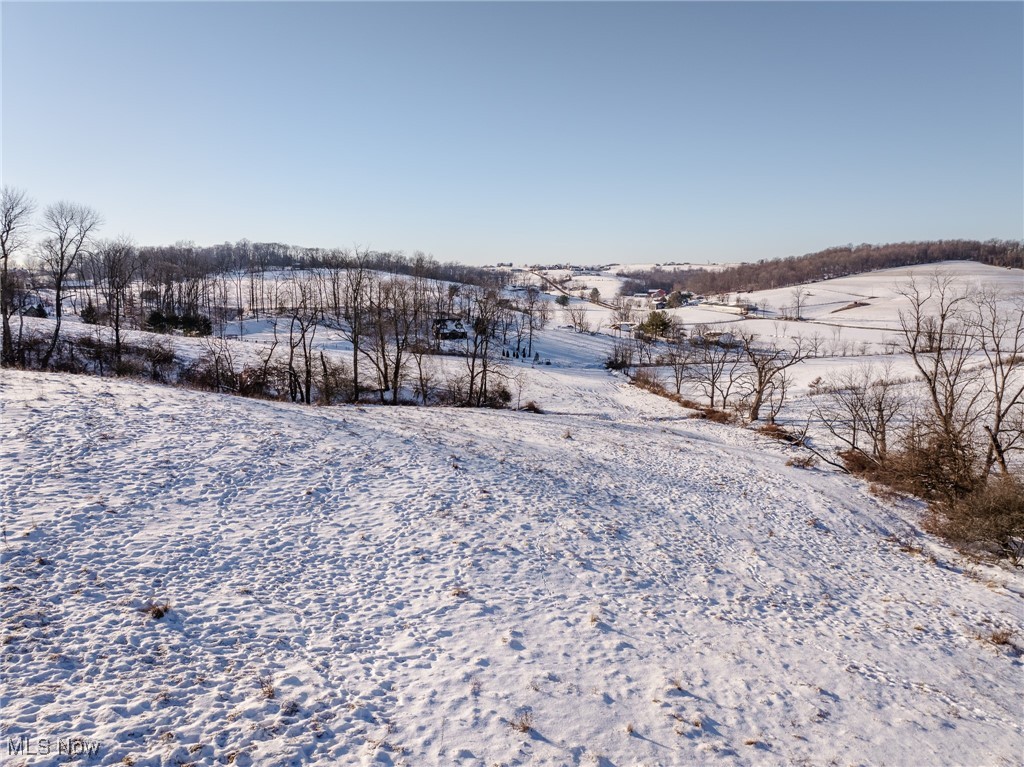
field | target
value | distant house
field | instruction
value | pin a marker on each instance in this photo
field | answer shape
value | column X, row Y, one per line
column 449, row 329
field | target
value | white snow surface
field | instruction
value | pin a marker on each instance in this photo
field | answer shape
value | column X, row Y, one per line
column 372, row 585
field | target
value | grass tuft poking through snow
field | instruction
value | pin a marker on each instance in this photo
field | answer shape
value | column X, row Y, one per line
column 157, row 610
column 522, row 722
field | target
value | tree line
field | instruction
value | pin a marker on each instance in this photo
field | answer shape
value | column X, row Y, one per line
column 390, row 308
column 738, row 372
column 823, row 265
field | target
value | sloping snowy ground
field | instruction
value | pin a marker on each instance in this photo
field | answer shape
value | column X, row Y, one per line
column 608, row 583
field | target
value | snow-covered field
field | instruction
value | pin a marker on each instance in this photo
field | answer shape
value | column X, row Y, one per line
column 847, row 312
column 609, row 583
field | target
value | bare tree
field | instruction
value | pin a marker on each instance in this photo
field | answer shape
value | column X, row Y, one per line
column 119, row 262
column 218, row 365
column 334, row 272
column 934, row 330
column 643, row 348
column 354, row 302
column 717, row 371
column 577, row 316
column 255, row 381
column 681, row 358
column 305, row 316
column 375, row 337
column 534, row 312
column 241, row 267
column 621, row 357
column 259, row 263
column 996, row 323
column 16, row 210
column 544, row 315
column 394, row 321
column 766, row 363
column 422, row 338
column 420, row 350
column 481, row 361
column 799, row 296
column 68, row 227
column 859, row 407
column 778, row 390
column 625, row 309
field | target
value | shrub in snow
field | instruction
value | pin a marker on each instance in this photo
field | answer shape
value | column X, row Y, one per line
column 90, row 314
column 991, row 517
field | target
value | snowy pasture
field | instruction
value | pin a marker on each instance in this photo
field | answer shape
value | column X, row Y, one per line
column 608, row 583
column 193, row 578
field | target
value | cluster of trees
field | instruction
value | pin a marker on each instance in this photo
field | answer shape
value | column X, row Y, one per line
column 741, row 371
column 393, row 324
column 15, row 217
column 955, row 434
column 68, row 233
column 387, row 306
column 967, row 418
column 823, row 265
column 951, row 433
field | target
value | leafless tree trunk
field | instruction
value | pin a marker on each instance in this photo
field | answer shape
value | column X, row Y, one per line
column 406, row 327
column 242, row 260
column 799, row 295
column 765, row 364
column 643, row 346
column 118, row 261
column 996, row 323
column 305, row 315
column 577, row 316
column 15, row 218
column 480, row 363
column 375, row 332
column 625, row 310
column 533, row 307
column 681, row 358
column 934, row 331
column 777, row 393
column 69, row 227
column 356, row 289
column 717, row 371
column 860, row 408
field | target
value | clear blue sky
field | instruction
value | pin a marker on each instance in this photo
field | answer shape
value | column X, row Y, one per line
column 485, row 132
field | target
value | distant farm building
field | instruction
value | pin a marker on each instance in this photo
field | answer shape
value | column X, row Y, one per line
column 449, row 329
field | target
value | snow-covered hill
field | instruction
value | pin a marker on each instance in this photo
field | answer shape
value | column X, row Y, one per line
column 609, row 583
